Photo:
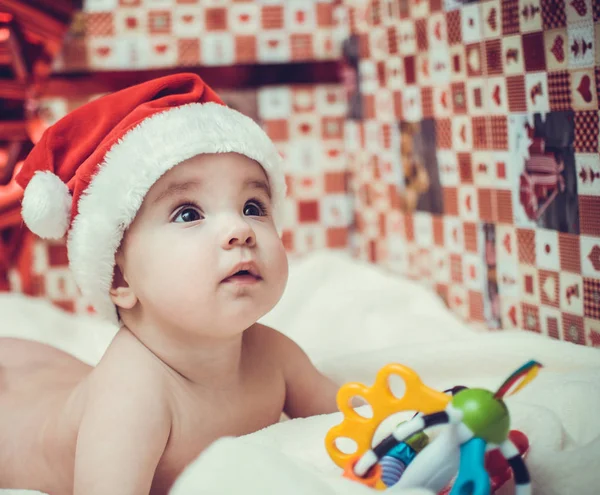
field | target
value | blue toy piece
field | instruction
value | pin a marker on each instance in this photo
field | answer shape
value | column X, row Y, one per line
column 472, row 477
column 395, row 462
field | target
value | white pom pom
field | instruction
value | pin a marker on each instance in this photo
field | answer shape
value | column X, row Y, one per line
column 46, row 206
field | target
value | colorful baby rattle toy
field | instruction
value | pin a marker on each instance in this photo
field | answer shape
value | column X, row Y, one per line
column 478, row 421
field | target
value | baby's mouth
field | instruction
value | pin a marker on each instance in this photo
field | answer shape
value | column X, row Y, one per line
column 243, row 277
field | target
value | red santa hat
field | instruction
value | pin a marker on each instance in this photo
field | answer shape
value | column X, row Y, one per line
column 89, row 173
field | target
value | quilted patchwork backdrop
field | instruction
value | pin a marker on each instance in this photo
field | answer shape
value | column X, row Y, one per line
column 461, row 148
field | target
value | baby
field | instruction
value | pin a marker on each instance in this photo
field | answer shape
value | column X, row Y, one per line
column 171, row 203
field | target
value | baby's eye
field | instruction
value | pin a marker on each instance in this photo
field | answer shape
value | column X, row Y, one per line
column 255, row 208
column 188, row 214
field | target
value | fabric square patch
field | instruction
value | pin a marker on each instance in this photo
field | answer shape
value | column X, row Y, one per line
column 592, row 329
column 591, row 298
column 465, row 169
column 188, row 52
column 552, row 328
column 471, row 23
column 590, row 256
column 409, row 227
column 57, row 255
column 549, row 288
column 324, row 14
column 486, row 208
column 499, row 125
column 573, row 329
column 450, row 195
column 547, row 249
column 301, row 46
column 459, row 98
column 570, row 259
column 475, row 96
column 530, row 16
column 470, row 237
column 337, row 237
column 490, row 13
column 421, row 34
column 497, row 97
column 536, row 86
column 476, row 306
column 584, row 95
column 332, row 128
column 427, row 101
column 308, row 211
column 187, row 21
column 443, row 132
column 453, row 24
column 159, row 22
column 456, row 268
column 99, row 24
column 245, row 49
column 556, row 43
column 512, row 55
column 581, row 45
column 559, row 89
column 531, row 317
column 533, row 51
column 493, row 56
column 588, row 174
column 553, row 14
column 589, row 215
column 336, row 182
column 586, row 131
column 437, row 228
column 272, row 17
column 474, row 60
column 410, row 73
column 504, row 206
column 517, row 99
column 277, row 130
column 526, row 246
column 435, row 5
column 571, row 293
column 215, row 19
column 510, row 16
column 480, row 133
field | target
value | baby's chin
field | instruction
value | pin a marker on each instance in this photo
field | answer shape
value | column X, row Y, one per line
column 221, row 317
column 239, row 322
column 233, row 323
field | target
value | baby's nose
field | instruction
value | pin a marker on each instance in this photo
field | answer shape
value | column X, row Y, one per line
column 241, row 234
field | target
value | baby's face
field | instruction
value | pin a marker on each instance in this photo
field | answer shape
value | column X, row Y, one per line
column 201, row 222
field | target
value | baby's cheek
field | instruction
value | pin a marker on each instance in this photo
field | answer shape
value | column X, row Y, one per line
column 279, row 266
column 182, row 299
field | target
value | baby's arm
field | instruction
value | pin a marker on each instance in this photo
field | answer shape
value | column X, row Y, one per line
column 123, row 431
column 308, row 392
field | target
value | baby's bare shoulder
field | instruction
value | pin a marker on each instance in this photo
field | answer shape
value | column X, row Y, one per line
column 125, row 423
column 274, row 345
column 263, row 334
column 271, row 339
column 129, row 370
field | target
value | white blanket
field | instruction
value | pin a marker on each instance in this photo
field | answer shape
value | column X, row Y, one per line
column 352, row 319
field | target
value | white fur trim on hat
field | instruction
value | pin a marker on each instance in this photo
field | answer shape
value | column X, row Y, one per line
column 46, row 206
column 135, row 163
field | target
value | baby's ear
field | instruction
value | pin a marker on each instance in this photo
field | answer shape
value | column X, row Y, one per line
column 121, row 293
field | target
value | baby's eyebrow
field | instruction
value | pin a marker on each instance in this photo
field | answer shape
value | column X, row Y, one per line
column 258, row 184
column 176, row 188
